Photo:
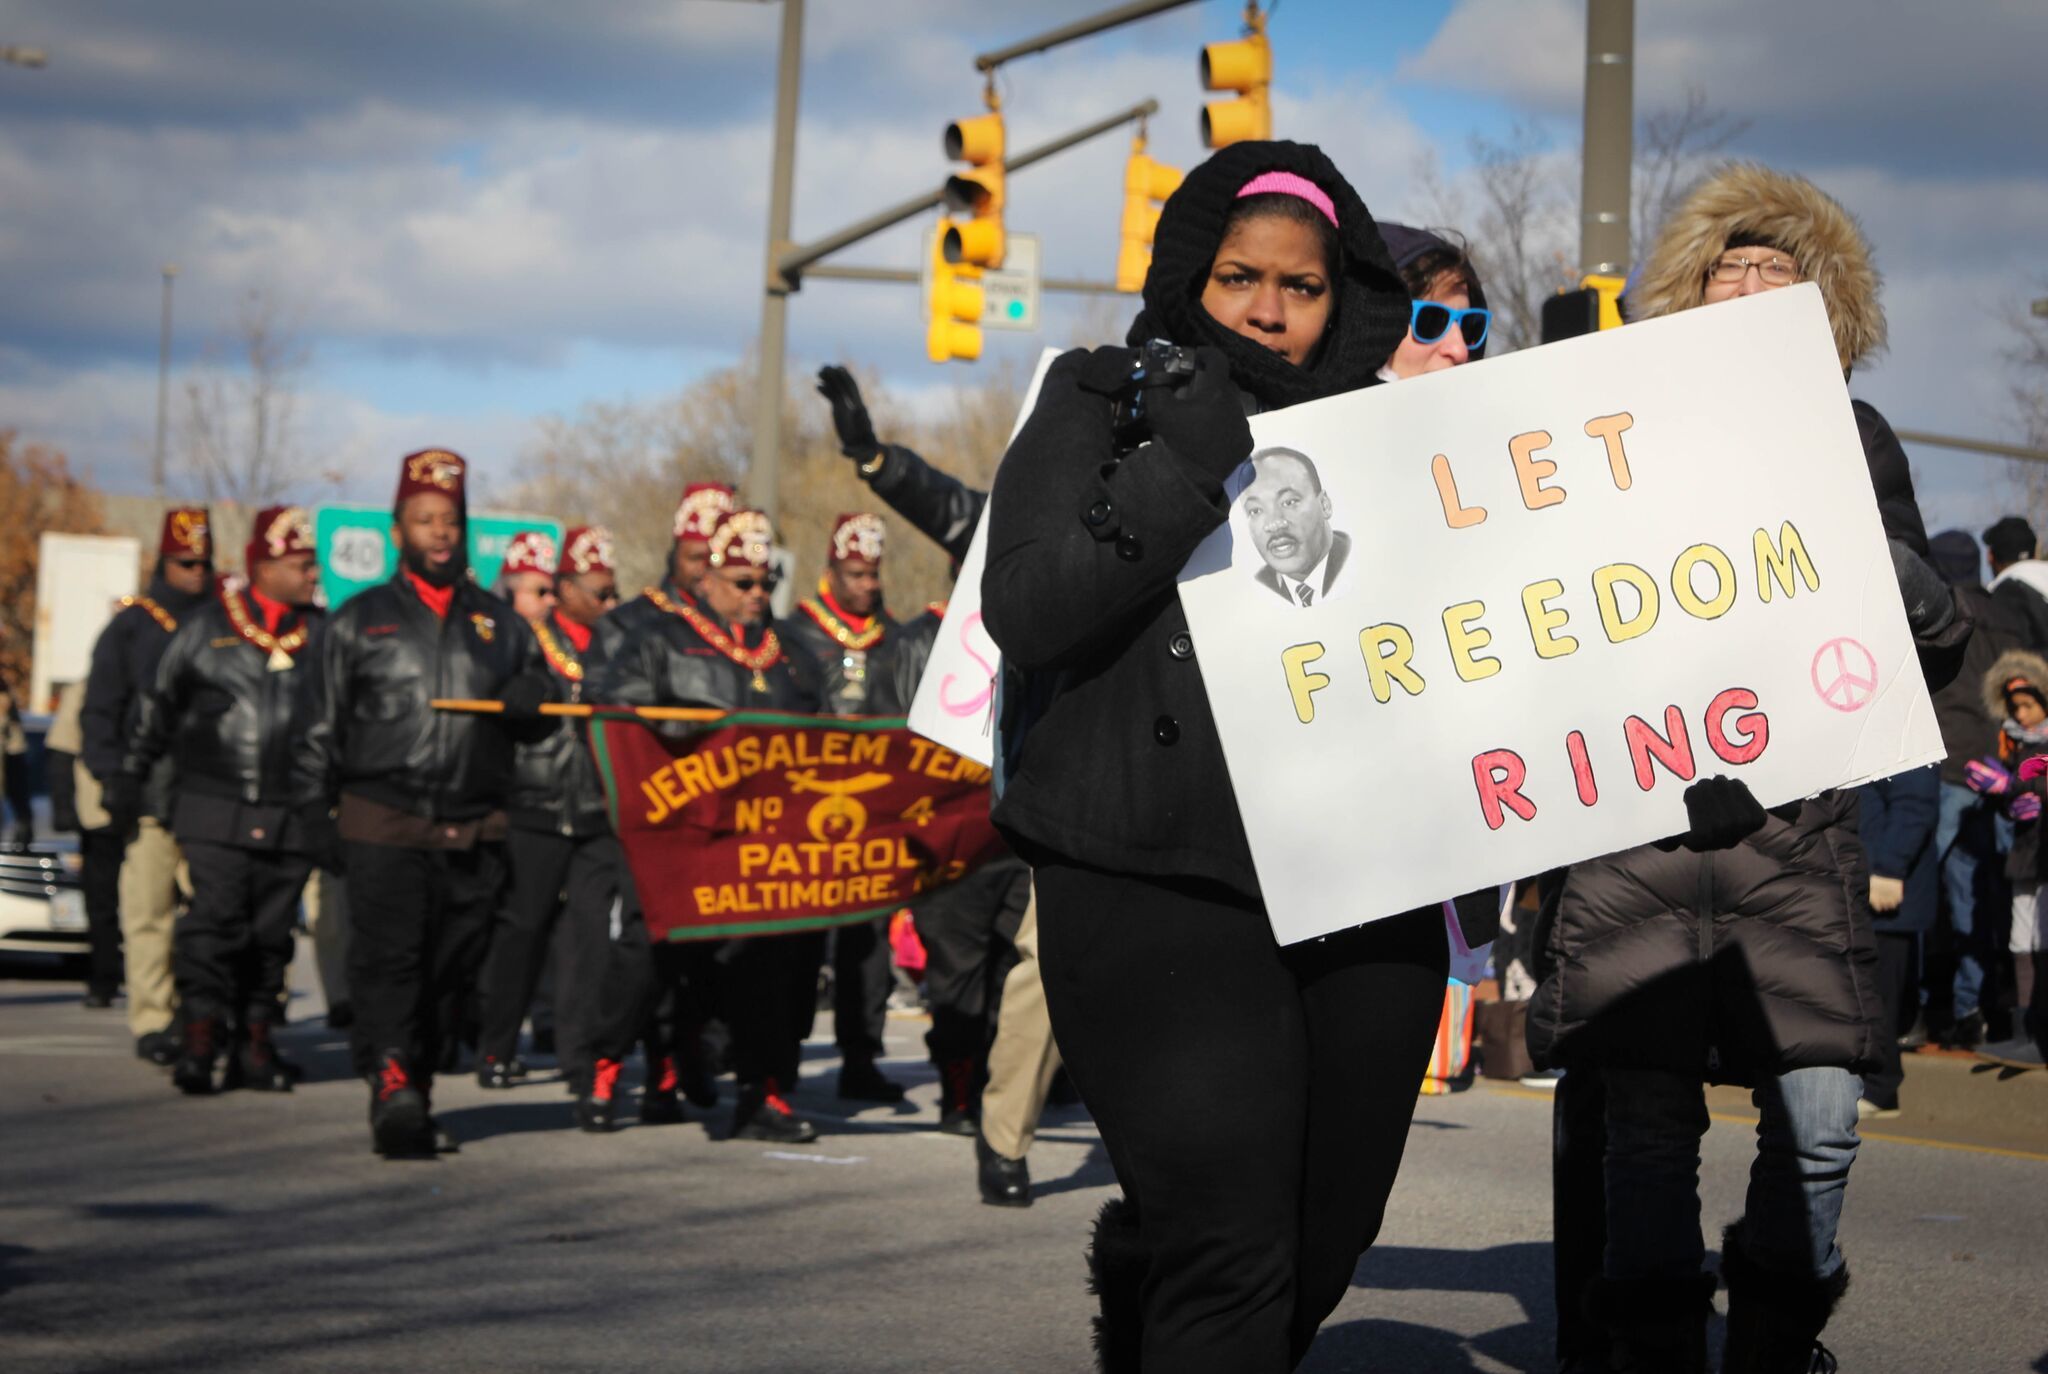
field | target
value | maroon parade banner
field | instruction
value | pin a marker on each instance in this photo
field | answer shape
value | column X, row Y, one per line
column 766, row 822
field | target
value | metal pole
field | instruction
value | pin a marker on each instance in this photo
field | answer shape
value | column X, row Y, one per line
column 764, row 464
column 904, row 276
column 163, row 381
column 1080, row 28
column 1609, row 137
column 1915, row 436
column 793, row 262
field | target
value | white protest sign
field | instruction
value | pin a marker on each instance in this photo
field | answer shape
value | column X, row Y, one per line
column 1534, row 597
column 955, row 702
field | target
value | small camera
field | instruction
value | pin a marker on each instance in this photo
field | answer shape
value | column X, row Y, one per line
column 1158, row 364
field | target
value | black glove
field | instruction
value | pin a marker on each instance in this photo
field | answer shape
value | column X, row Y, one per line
column 121, row 794
column 1202, row 420
column 1930, row 605
column 320, row 836
column 849, row 414
column 1723, row 813
column 524, row 695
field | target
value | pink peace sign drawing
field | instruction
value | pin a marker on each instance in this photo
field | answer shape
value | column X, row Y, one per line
column 1845, row 674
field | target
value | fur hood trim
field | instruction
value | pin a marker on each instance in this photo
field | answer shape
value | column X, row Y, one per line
column 2009, row 665
column 1790, row 211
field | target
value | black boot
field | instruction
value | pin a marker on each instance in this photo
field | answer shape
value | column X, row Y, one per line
column 659, row 1105
column 158, row 1047
column 597, row 1108
column 763, row 1113
column 959, row 1113
column 1116, row 1276
column 258, row 1065
column 399, row 1125
column 1774, row 1319
column 193, row 1073
column 861, row 1081
column 493, row 1072
column 1005, row 1182
column 1654, row 1326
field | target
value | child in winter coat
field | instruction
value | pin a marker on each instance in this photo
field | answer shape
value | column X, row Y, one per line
column 2016, row 688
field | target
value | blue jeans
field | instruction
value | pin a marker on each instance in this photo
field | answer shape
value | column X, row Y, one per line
column 1969, row 838
column 1805, row 1143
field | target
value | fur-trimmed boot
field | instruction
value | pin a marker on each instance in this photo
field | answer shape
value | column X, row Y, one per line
column 1116, row 1276
column 1654, row 1326
column 1775, row 1320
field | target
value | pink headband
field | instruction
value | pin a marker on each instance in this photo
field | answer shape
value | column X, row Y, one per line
column 1288, row 184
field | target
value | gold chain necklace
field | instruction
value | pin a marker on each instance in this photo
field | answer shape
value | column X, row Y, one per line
column 557, row 657
column 281, row 648
column 843, row 634
column 757, row 660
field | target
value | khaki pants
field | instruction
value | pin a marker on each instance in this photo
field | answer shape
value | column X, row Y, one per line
column 326, row 902
column 1024, row 1059
column 150, row 882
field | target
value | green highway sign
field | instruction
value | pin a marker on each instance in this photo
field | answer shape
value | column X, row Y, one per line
column 355, row 548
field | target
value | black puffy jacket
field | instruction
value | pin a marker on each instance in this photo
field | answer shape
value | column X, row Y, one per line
column 555, row 787
column 226, row 720
column 372, row 733
column 654, row 657
column 1733, row 965
column 124, row 661
column 844, row 671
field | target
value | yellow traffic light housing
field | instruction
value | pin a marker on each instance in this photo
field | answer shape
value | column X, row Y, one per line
column 976, row 193
column 954, row 329
column 1244, row 66
column 1146, row 182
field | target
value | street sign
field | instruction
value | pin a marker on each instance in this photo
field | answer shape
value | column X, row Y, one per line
column 355, row 548
column 1009, row 292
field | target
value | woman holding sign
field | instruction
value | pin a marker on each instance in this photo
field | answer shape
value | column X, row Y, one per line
column 1243, row 1217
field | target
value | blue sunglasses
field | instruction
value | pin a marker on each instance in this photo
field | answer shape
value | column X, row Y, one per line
column 1428, row 322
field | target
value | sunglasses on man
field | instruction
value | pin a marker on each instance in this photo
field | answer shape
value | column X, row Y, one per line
column 188, row 564
column 747, row 584
column 1429, row 321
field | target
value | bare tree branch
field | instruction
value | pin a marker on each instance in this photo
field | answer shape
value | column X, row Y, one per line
column 240, row 425
column 1670, row 147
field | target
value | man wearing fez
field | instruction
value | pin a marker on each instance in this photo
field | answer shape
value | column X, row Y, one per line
column 838, row 630
column 124, row 663
column 676, row 1061
column 418, row 795
column 526, row 577
column 224, row 707
column 564, row 864
column 714, row 648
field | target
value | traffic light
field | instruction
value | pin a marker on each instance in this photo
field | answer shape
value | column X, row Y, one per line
column 1594, row 305
column 1145, row 182
column 1244, row 66
column 954, row 330
column 977, row 192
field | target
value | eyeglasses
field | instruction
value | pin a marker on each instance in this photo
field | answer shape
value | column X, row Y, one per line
column 747, row 584
column 1774, row 270
column 188, row 564
column 1428, row 321
column 608, row 594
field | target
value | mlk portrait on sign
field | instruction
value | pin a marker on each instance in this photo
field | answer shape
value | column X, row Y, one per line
column 1287, row 514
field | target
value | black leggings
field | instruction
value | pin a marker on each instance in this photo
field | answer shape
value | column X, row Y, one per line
column 1254, row 1099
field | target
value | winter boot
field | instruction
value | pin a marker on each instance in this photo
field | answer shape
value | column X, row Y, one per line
column 597, row 1109
column 697, row 1074
column 861, row 1081
column 1654, row 1326
column 763, row 1113
column 659, row 1105
column 1774, row 1319
column 959, row 1113
column 193, row 1072
column 1116, row 1276
column 258, row 1065
column 399, row 1125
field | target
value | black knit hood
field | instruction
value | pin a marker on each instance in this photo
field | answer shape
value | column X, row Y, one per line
column 1370, row 307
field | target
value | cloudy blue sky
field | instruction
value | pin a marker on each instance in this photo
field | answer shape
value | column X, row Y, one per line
column 484, row 211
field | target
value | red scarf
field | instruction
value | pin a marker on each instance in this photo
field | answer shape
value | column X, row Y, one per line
column 579, row 635
column 274, row 612
column 855, row 623
column 436, row 599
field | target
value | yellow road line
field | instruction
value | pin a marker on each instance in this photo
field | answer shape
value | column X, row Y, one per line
column 1998, row 1150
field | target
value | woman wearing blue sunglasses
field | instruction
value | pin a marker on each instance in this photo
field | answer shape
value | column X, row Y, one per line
column 1447, row 315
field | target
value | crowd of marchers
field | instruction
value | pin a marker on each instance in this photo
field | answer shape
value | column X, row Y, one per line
column 246, row 760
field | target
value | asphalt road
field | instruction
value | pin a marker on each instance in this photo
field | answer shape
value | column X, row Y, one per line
column 140, row 1230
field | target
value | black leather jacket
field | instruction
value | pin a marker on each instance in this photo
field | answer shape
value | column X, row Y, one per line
column 846, row 675
column 372, row 733
column 124, row 661
column 555, row 786
column 944, row 509
column 653, row 657
column 225, row 720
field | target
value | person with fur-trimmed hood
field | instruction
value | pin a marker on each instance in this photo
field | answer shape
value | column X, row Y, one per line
column 1741, row 951
column 2015, row 779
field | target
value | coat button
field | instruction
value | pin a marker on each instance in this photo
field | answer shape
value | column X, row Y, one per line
column 1166, row 730
column 256, row 832
column 1181, row 646
column 1128, row 548
column 1099, row 513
